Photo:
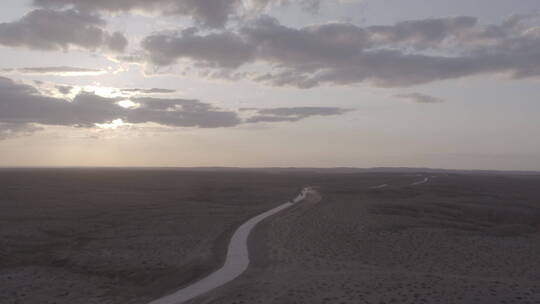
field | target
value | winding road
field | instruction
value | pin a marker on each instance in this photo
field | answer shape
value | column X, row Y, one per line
column 237, row 260
column 425, row 180
column 379, row 186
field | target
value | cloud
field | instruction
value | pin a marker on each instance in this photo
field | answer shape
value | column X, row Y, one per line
column 210, row 13
column 57, row 70
column 44, row 29
column 148, row 91
column 419, row 98
column 405, row 54
column 294, row 114
column 21, row 103
column 13, row 130
column 221, row 50
column 22, row 106
column 260, row 5
column 422, row 34
column 64, row 89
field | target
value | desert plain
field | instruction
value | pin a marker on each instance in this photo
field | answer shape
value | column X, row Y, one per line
column 133, row 235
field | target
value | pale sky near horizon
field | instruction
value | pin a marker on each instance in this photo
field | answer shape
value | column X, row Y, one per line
column 256, row 83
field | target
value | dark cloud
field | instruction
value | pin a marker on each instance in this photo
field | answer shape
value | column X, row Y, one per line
column 22, row 105
column 294, row 114
column 309, row 5
column 419, row 98
column 182, row 113
column 64, row 89
column 45, row 29
column 265, row 40
column 305, row 47
column 212, row 13
column 223, row 50
column 148, row 91
column 405, row 54
column 422, row 34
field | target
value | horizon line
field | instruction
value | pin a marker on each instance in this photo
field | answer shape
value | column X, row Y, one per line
column 299, row 168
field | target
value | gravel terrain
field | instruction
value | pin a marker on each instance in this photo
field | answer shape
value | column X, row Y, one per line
column 455, row 239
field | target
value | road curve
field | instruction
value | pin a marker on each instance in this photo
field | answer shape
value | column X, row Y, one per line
column 379, row 186
column 425, row 180
column 236, row 262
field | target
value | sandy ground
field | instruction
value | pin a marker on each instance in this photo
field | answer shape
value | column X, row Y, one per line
column 130, row 236
column 121, row 236
column 456, row 239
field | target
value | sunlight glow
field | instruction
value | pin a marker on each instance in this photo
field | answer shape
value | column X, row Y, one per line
column 128, row 104
column 113, row 124
column 107, row 92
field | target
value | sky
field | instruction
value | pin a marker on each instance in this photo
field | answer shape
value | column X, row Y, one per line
column 270, row 83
